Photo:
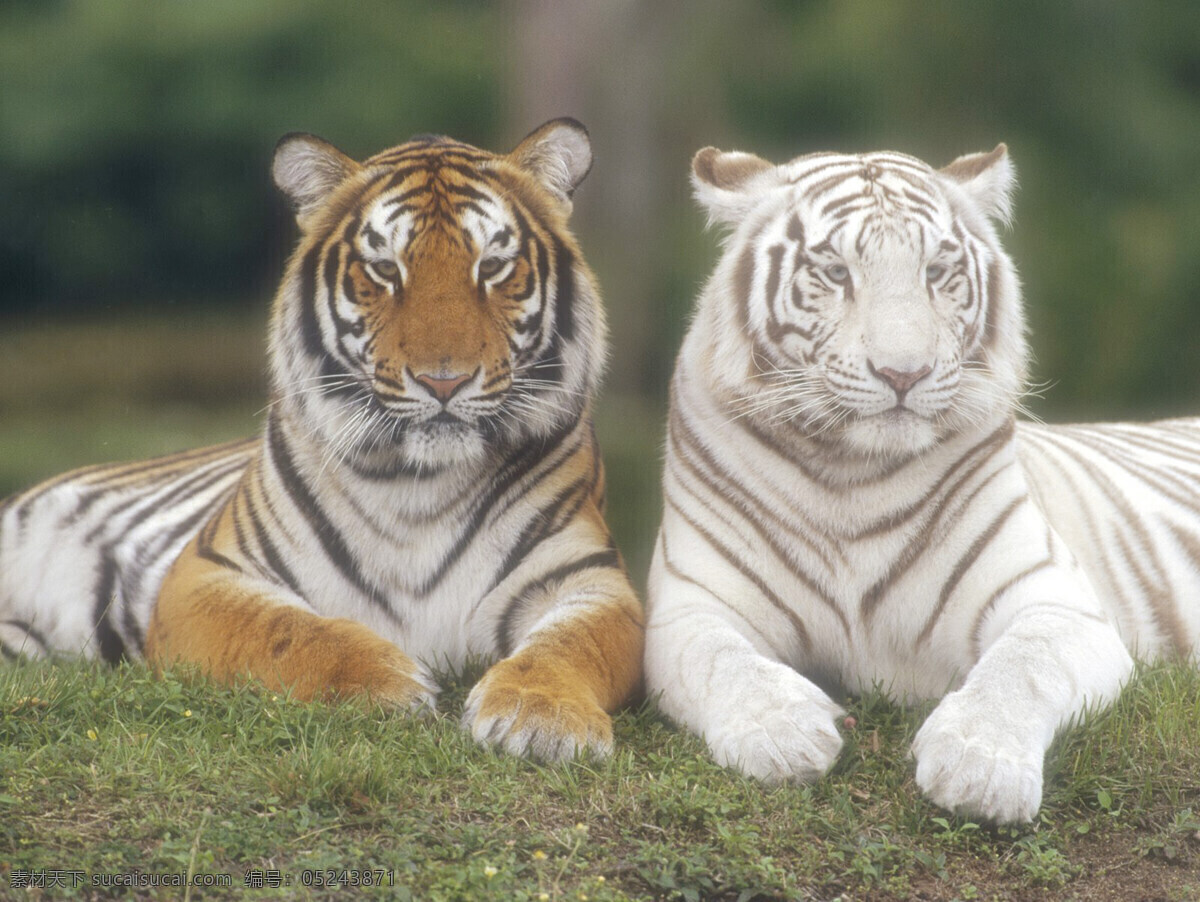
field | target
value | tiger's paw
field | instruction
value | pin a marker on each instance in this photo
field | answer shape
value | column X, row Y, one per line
column 347, row 661
column 975, row 769
column 786, row 732
column 393, row 680
column 412, row 691
column 535, row 713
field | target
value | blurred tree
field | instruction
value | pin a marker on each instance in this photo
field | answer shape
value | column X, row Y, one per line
column 564, row 64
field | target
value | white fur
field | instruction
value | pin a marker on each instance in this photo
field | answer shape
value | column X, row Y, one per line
column 820, row 524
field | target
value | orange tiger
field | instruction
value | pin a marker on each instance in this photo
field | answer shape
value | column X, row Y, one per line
column 427, row 486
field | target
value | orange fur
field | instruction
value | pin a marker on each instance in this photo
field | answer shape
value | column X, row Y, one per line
column 559, row 687
column 232, row 628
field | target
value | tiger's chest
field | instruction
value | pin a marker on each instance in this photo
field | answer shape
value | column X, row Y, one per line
column 893, row 587
column 428, row 584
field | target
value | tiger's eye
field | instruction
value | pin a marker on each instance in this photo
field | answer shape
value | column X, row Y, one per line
column 490, row 267
column 386, row 269
column 837, row 272
column 934, row 271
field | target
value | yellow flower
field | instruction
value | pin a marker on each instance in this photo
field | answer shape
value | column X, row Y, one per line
column 539, row 855
column 490, row 872
column 91, row 734
column 187, row 713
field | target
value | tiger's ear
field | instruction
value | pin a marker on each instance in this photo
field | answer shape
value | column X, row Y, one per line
column 723, row 182
column 988, row 179
column 307, row 168
column 558, row 154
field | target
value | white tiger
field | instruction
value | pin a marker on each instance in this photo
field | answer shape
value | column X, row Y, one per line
column 850, row 502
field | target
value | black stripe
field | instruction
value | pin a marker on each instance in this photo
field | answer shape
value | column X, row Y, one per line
column 206, row 552
column 195, row 482
column 331, row 540
column 609, row 559
column 475, row 208
column 564, row 302
column 519, row 465
column 239, row 532
column 546, row 522
column 275, row 560
column 373, row 238
column 146, row 472
column 310, row 331
column 36, row 635
column 549, row 364
column 133, row 629
column 394, row 468
column 332, row 265
column 397, row 178
column 112, row 648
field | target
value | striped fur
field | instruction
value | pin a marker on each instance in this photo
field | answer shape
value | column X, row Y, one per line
column 427, row 488
column 850, row 502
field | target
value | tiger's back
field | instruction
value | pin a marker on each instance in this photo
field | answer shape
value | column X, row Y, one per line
column 82, row 555
column 1124, row 498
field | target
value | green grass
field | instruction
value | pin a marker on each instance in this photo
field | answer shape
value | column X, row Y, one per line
column 110, row 771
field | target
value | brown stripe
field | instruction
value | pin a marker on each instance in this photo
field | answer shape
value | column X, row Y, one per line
column 988, row 447
column 1135, row 533
column 977, row 627
column 1160, row 602
column 674, row 570
column 767, row 592
column 1179, row 488
column 725, row 486
column 1189, row 542
column 873, row 597
column 964, row 564
column 1067, row 482
column 992, row 313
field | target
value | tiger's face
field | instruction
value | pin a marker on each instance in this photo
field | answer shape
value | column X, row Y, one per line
column 866, row 296
column 440, row 303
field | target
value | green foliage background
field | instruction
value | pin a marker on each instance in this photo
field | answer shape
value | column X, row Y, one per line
column 137, row 136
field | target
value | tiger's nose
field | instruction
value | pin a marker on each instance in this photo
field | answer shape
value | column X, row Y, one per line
column 900, row 381
column 442, row 387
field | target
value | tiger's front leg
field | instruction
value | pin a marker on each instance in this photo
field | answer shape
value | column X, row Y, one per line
column 756, row 713
column 580, row 660
column 232, row 626
column 1051, row 653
